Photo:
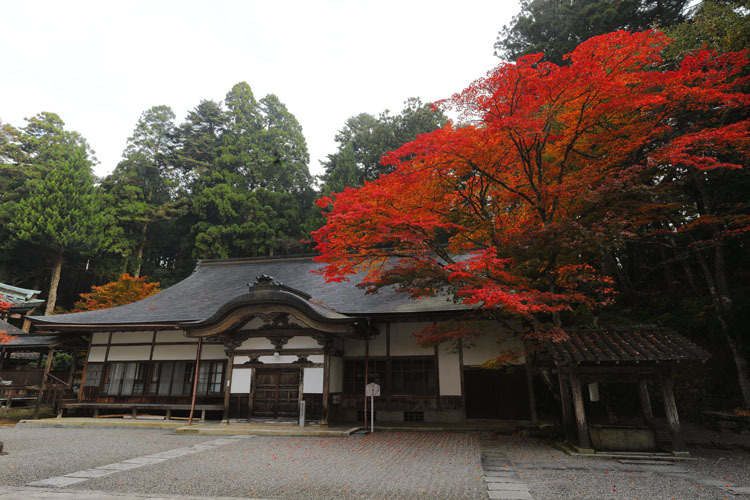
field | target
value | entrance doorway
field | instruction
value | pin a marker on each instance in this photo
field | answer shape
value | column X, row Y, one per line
column 496, row 394
column 276, row 393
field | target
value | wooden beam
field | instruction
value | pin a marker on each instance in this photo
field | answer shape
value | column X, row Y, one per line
column 254, row 353
column 670, row 410
column 196, row 374
column 251, row 399
column 461, row 374
column 40, row 394
column 583, row 430
column 228, row 388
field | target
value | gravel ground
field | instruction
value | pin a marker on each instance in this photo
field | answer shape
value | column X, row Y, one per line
column 550, row 474
column 387, row 465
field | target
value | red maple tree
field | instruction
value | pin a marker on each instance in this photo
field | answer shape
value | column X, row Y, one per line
column 547, row 168
column 125, row 290
column 4, row 307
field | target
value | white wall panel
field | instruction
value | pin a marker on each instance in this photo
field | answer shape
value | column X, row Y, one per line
column 489, row 347
column 257, row 343
column 129, row 353
column 211, row 351
column 312, row 382
column 173, row 336
column 131, row 337
column 96, row 354
column 450, row 371
column 241, row 380
column 100, row 338
column 271, row 360
column 302, row 342
column 403, row 342
column 175, row 352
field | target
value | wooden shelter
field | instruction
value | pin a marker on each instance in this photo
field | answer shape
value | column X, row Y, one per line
column 638, row 355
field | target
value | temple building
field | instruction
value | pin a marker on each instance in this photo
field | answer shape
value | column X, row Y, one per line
column 266, row 334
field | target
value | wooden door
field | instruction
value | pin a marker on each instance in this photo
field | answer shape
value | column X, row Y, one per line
column 276, row 393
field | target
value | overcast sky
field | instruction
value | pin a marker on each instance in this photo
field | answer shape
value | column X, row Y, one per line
column 100, row 64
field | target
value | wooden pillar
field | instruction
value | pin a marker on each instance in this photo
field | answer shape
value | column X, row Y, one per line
column 565, row 403
column 2, row 358
column 73, row 366
column 39, row 360
column 85, row 367
column 367, row 366
column 326, row 383
column 670, row 410
column 583, row 429
column 40, row 394
column 300, row 395
column 196, row 373
column 648, row 414
column 251, row 397
column 461, row 375
column 530, row 388
column 228, row 387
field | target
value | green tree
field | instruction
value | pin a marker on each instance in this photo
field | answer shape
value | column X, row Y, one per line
column 364, row 140
column 556, row 27
column 142, row 188
column 60, row 212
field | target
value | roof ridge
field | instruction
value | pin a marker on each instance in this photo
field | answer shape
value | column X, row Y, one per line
column 239, row 260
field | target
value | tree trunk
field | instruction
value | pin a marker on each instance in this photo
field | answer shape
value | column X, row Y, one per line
column 721, row 300
column 52, row 295
column 139, row 257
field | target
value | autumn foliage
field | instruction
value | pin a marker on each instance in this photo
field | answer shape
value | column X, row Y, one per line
column 125, row 290
column 549, row 165
column 4, row 306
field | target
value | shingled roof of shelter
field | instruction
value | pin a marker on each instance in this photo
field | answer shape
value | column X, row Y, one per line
column 26, row 341
column 216, row 282
column 624, row 345
column 20, row 299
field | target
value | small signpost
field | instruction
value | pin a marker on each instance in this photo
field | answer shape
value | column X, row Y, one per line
column 372, row 389
column 302, row 413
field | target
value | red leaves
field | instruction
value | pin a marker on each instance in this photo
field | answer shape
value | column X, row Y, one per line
column 539, row 180
column 116, row 293
column 4, row 307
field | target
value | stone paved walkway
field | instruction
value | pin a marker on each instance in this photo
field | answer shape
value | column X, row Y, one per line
column 500, row 475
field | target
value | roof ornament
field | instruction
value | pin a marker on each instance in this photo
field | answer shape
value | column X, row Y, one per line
column 264, row 281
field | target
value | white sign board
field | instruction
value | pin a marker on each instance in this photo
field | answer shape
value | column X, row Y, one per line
column 372, row 389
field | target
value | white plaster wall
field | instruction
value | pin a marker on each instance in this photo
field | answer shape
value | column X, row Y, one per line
column 241, row 380
column 257, row 343
column 354, row 347
column 272, row 360
column 96, row 354
column 302, row 342
column 211, row 351
column 173, row 336
column 316, row 358
column 403, row 342
column 129, row 353
column 174, row 352
column 489, row 347
column 100, row 338
column 312, row 381
column 450, row 371
column 131, row 337
column 336, row 376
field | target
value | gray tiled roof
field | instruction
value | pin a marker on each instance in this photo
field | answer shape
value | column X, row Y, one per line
column 214, row 283
column 634, row 344
column 9, row 329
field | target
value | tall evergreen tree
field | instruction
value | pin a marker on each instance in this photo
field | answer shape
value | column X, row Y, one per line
column 556, row 27
column 60, row 212
column 365, row 139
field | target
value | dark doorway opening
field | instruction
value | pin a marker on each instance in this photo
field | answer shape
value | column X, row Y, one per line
column 496, row 394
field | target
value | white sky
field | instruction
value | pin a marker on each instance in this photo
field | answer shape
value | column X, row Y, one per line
column 100, row 64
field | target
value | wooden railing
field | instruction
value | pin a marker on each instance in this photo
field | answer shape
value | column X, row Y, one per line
column 22, row 378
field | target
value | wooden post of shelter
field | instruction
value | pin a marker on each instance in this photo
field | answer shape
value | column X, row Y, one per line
column 648, row 414
column 195, row 379
column 530, row 387
column 670, row 410
column 2, row 358
column 583, row 430
column 565, row 403
column 40, row 394
column 228, row 388
column 367, row 366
